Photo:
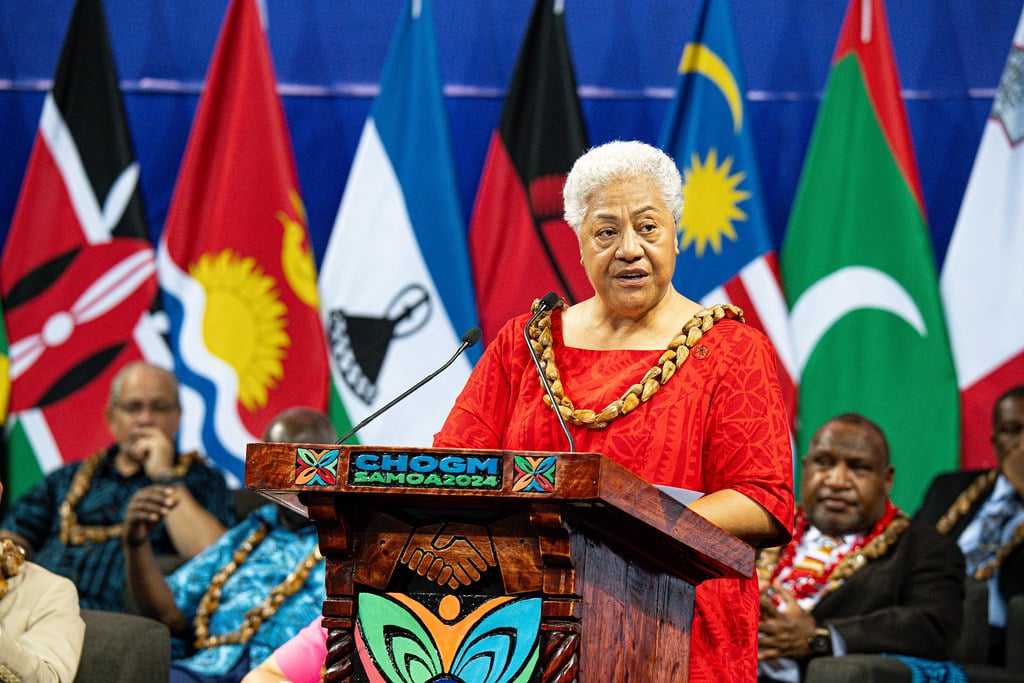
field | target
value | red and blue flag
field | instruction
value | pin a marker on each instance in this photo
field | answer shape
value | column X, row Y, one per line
column 235, row 264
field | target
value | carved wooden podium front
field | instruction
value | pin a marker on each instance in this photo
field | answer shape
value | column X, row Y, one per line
column 494, row 566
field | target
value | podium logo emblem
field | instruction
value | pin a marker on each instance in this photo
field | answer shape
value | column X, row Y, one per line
column 534, row 474
column 316, row 467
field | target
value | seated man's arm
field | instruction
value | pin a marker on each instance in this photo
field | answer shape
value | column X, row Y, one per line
column 191, row 527
column 31, row 517
column 267, row 672
column 41, row 634
column 783, row 630
column 145, row 581
column 300, row 659
column 926, row 621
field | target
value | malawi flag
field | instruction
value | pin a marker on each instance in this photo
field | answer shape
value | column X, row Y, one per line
column 78, row 276
column 859, row 272
column 520, row 245
column 234, row 262
column 5, row 376
column 984, row 266
column 5, row 397
column 397, row 296
column 725, row 248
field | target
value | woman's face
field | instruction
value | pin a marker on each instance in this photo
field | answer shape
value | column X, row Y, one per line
column 628, row 246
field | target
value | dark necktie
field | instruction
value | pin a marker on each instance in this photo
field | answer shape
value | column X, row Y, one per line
column 990, row 539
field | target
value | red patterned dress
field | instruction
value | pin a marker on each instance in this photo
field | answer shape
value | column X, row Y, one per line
column 719, row 423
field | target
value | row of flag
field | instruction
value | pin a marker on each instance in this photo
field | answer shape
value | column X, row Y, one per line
column 231, row 298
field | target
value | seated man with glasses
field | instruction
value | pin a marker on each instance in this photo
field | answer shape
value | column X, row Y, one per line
column 71, row 522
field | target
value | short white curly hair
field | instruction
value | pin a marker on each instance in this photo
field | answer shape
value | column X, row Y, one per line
column 620, row 159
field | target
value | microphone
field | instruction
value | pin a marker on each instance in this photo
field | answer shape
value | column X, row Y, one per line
column 469, row 339
column 547, row 303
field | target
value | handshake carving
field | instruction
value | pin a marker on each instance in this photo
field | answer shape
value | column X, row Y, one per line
column 450, row 554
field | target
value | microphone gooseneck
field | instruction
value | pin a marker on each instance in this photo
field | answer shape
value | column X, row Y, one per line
column 547, row 303
column 470, row 338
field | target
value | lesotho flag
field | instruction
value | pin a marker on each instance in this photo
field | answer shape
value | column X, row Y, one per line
column 234, row 262
column 395, row 284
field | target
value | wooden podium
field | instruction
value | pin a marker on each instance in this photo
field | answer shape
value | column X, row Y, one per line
column 494, row 566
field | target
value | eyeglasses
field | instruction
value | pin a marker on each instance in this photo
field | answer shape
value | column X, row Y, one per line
column 134, row 408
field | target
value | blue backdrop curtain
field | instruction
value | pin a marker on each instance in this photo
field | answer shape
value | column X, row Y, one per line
column 328, row 56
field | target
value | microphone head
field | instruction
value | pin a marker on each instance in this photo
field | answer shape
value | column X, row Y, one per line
column 472, row 336
column 548, row 301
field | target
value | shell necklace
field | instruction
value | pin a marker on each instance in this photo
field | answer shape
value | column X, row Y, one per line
column 73, row 533
column 960, row 507
column 773, row 561
column 12, row 556
column 255, row 617
column 675, row 354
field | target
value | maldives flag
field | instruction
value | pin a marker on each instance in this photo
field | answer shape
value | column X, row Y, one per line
column 983, row 267
column 859, row 272
column 397, row 298
column 234, row 262
column 520, row 246
column 78, row 276
column 725, row 249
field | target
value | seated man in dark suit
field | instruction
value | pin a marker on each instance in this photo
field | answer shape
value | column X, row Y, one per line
column 858, row 576
column 982, row 510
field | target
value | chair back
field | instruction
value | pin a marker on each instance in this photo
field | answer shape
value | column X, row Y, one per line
column 123, row 648
column 972, row 647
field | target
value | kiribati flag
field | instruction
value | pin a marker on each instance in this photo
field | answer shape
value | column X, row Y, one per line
column 725, row 249
column 396, row 288
column 234, row 262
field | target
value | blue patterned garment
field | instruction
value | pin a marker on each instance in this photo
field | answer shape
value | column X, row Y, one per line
column 930, row 671
column 268, row 565
column 97, row 569
column 992, row 526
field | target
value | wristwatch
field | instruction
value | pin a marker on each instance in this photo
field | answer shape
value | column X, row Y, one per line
column 167, row 478
column 820, row 642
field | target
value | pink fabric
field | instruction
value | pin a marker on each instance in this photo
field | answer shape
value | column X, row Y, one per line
column 719, row 423
column 302, row 658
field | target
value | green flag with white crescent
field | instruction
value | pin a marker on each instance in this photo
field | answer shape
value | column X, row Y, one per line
column 859, row 272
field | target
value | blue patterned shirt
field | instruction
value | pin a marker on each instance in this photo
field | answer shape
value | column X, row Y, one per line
column 277, row 556
column 971, row 536
column 97, row 569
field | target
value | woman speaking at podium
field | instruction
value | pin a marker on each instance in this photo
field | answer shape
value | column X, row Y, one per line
column 680, row 395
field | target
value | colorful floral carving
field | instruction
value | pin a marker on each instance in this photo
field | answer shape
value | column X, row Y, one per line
column 399, row 640
column 534, row 473
column 316, row 467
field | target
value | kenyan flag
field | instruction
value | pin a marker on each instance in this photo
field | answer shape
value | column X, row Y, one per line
column 78, row 273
